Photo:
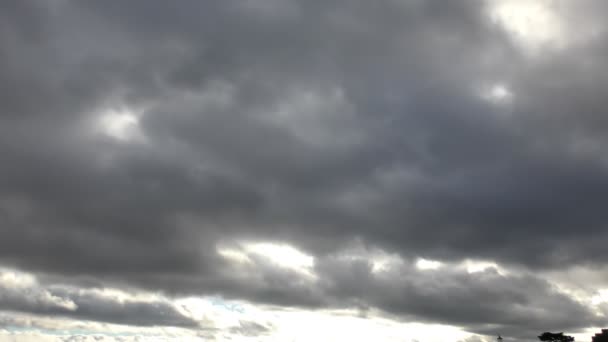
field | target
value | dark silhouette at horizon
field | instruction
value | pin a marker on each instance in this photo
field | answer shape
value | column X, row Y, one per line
column 601, row 337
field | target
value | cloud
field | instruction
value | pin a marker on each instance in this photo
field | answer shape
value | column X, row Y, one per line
column 251, row 329
column 23, row 293
column 137, row 139
column 486, row 302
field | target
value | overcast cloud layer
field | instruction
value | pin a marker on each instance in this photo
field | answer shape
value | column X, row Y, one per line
column 309, row 155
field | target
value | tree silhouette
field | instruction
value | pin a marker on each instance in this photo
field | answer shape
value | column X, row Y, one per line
column 555, row 337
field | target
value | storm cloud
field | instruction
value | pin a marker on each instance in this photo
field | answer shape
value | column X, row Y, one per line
column 23, row 293
column 152, row 145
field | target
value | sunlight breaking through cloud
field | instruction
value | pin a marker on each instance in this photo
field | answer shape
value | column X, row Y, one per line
column 121, row 124
column 278, row 254
column 425, row 264
column 533, row 24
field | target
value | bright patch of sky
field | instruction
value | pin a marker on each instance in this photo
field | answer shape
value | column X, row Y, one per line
column 532, row 24
column 121, row 124
column 277, row 254
column 426, row 264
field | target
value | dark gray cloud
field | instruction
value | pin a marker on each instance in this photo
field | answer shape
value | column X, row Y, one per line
column 250, row 329
column 311, row 122
column 22, row 293
column 485, row 302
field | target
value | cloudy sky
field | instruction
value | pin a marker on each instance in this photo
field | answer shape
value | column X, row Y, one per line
column 303, row 170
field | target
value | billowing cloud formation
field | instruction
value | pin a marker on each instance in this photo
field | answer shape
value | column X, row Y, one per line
column 143, row 144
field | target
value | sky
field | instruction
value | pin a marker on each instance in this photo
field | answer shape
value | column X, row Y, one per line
column 303, row 170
